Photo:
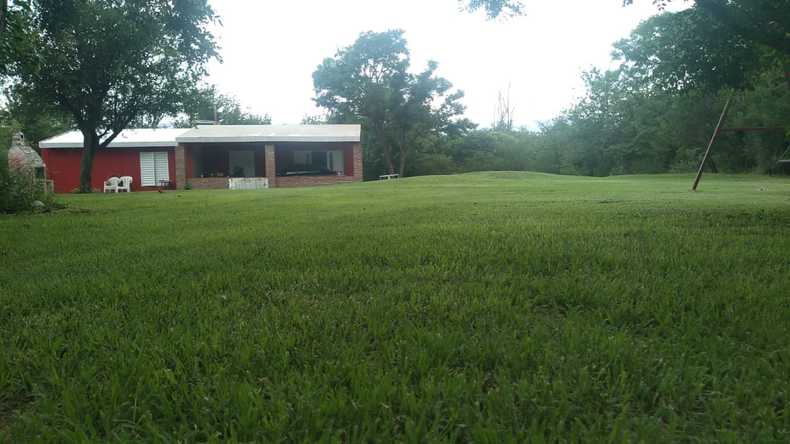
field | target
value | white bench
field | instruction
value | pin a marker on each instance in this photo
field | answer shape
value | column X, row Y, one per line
column 389, row 176
column 248, row 183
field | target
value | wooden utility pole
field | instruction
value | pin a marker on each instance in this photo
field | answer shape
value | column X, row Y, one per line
column 710, row 144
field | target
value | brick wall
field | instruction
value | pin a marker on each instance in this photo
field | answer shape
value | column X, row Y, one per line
column 208, row 183
column 181, row 167
column 357, row 149
column 309, row 181
column 271, row 166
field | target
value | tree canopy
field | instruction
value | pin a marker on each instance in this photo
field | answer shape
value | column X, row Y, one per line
column 496, row 8
column 35, row 121
column 687, row 50
column 370, row 82
column 207, row 104
column 109, row 62
column 763, row 22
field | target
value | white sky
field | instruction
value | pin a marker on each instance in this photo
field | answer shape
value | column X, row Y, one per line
column 270, row 49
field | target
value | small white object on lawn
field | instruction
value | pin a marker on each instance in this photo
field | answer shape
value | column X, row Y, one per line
column 111, row 185
column 124, row 184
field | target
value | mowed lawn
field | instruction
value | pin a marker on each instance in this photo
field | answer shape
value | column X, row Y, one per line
column 491, row 307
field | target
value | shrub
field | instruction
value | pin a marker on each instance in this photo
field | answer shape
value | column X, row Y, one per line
column 19, row 190
column 434, row 163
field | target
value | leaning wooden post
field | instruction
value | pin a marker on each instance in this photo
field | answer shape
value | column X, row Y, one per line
column 710, row 144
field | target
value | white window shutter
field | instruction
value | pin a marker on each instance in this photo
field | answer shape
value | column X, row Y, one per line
column 162, row 167
column 154, row 167
column 147, row 169
column 338, row 165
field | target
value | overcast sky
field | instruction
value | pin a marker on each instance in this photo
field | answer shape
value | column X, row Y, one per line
column 270, row 49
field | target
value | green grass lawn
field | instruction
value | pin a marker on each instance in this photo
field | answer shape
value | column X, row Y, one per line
column 489, row 307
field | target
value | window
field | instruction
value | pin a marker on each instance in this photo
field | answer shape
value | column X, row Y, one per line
column 154, row 167
column 335, row 161
column 302, row 158
column 314, row 163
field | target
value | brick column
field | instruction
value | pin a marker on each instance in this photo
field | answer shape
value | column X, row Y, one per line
column 358, row 173
column 271, row 166
column 181, row 167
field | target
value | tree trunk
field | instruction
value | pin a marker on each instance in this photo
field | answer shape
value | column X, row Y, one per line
column 403, row 150
column 3, row 14
column 388, row 159
column 90, row 143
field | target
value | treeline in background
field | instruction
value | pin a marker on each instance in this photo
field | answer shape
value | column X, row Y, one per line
column 654, row 113
column 614, row 130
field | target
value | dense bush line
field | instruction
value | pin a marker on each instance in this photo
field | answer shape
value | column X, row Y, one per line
column 614, row 131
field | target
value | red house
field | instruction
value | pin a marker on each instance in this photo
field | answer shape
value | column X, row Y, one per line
column 213, row 156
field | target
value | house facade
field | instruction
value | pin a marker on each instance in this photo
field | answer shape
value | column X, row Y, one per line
column 213, row 156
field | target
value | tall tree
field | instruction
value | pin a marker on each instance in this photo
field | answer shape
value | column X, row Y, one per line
column 763, row 22
column 369, row 82
column 36, row 121
column 687, row 50
column 109, row 62
column 357, row 85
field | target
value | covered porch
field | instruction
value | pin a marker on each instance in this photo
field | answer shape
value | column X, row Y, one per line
column 218, row 165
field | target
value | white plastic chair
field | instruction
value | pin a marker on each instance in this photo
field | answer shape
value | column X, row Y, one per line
column 124, row 184
column 111, row 185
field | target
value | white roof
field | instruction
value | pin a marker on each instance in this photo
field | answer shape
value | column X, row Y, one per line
column 272, row 133
column 166, row 137
column 129, row 138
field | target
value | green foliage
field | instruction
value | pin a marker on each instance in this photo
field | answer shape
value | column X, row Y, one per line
column 657, row 110
column 485, row 307
column 618, row 129
column 492, row 151
column 761, row 22
column 316, row 119
column 35, row 120
column 495, row 8
column 402, row 113
column 207, row 104
column 4, row 153
column 108, row 62
column 614, row 130
column 434, row 163
column 760, row 25
column 18, row 190
column 687, row 50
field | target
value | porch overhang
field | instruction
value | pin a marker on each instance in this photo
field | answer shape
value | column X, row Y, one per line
column 271, row 134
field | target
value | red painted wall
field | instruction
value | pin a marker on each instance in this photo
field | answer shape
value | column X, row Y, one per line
column 63, row 167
